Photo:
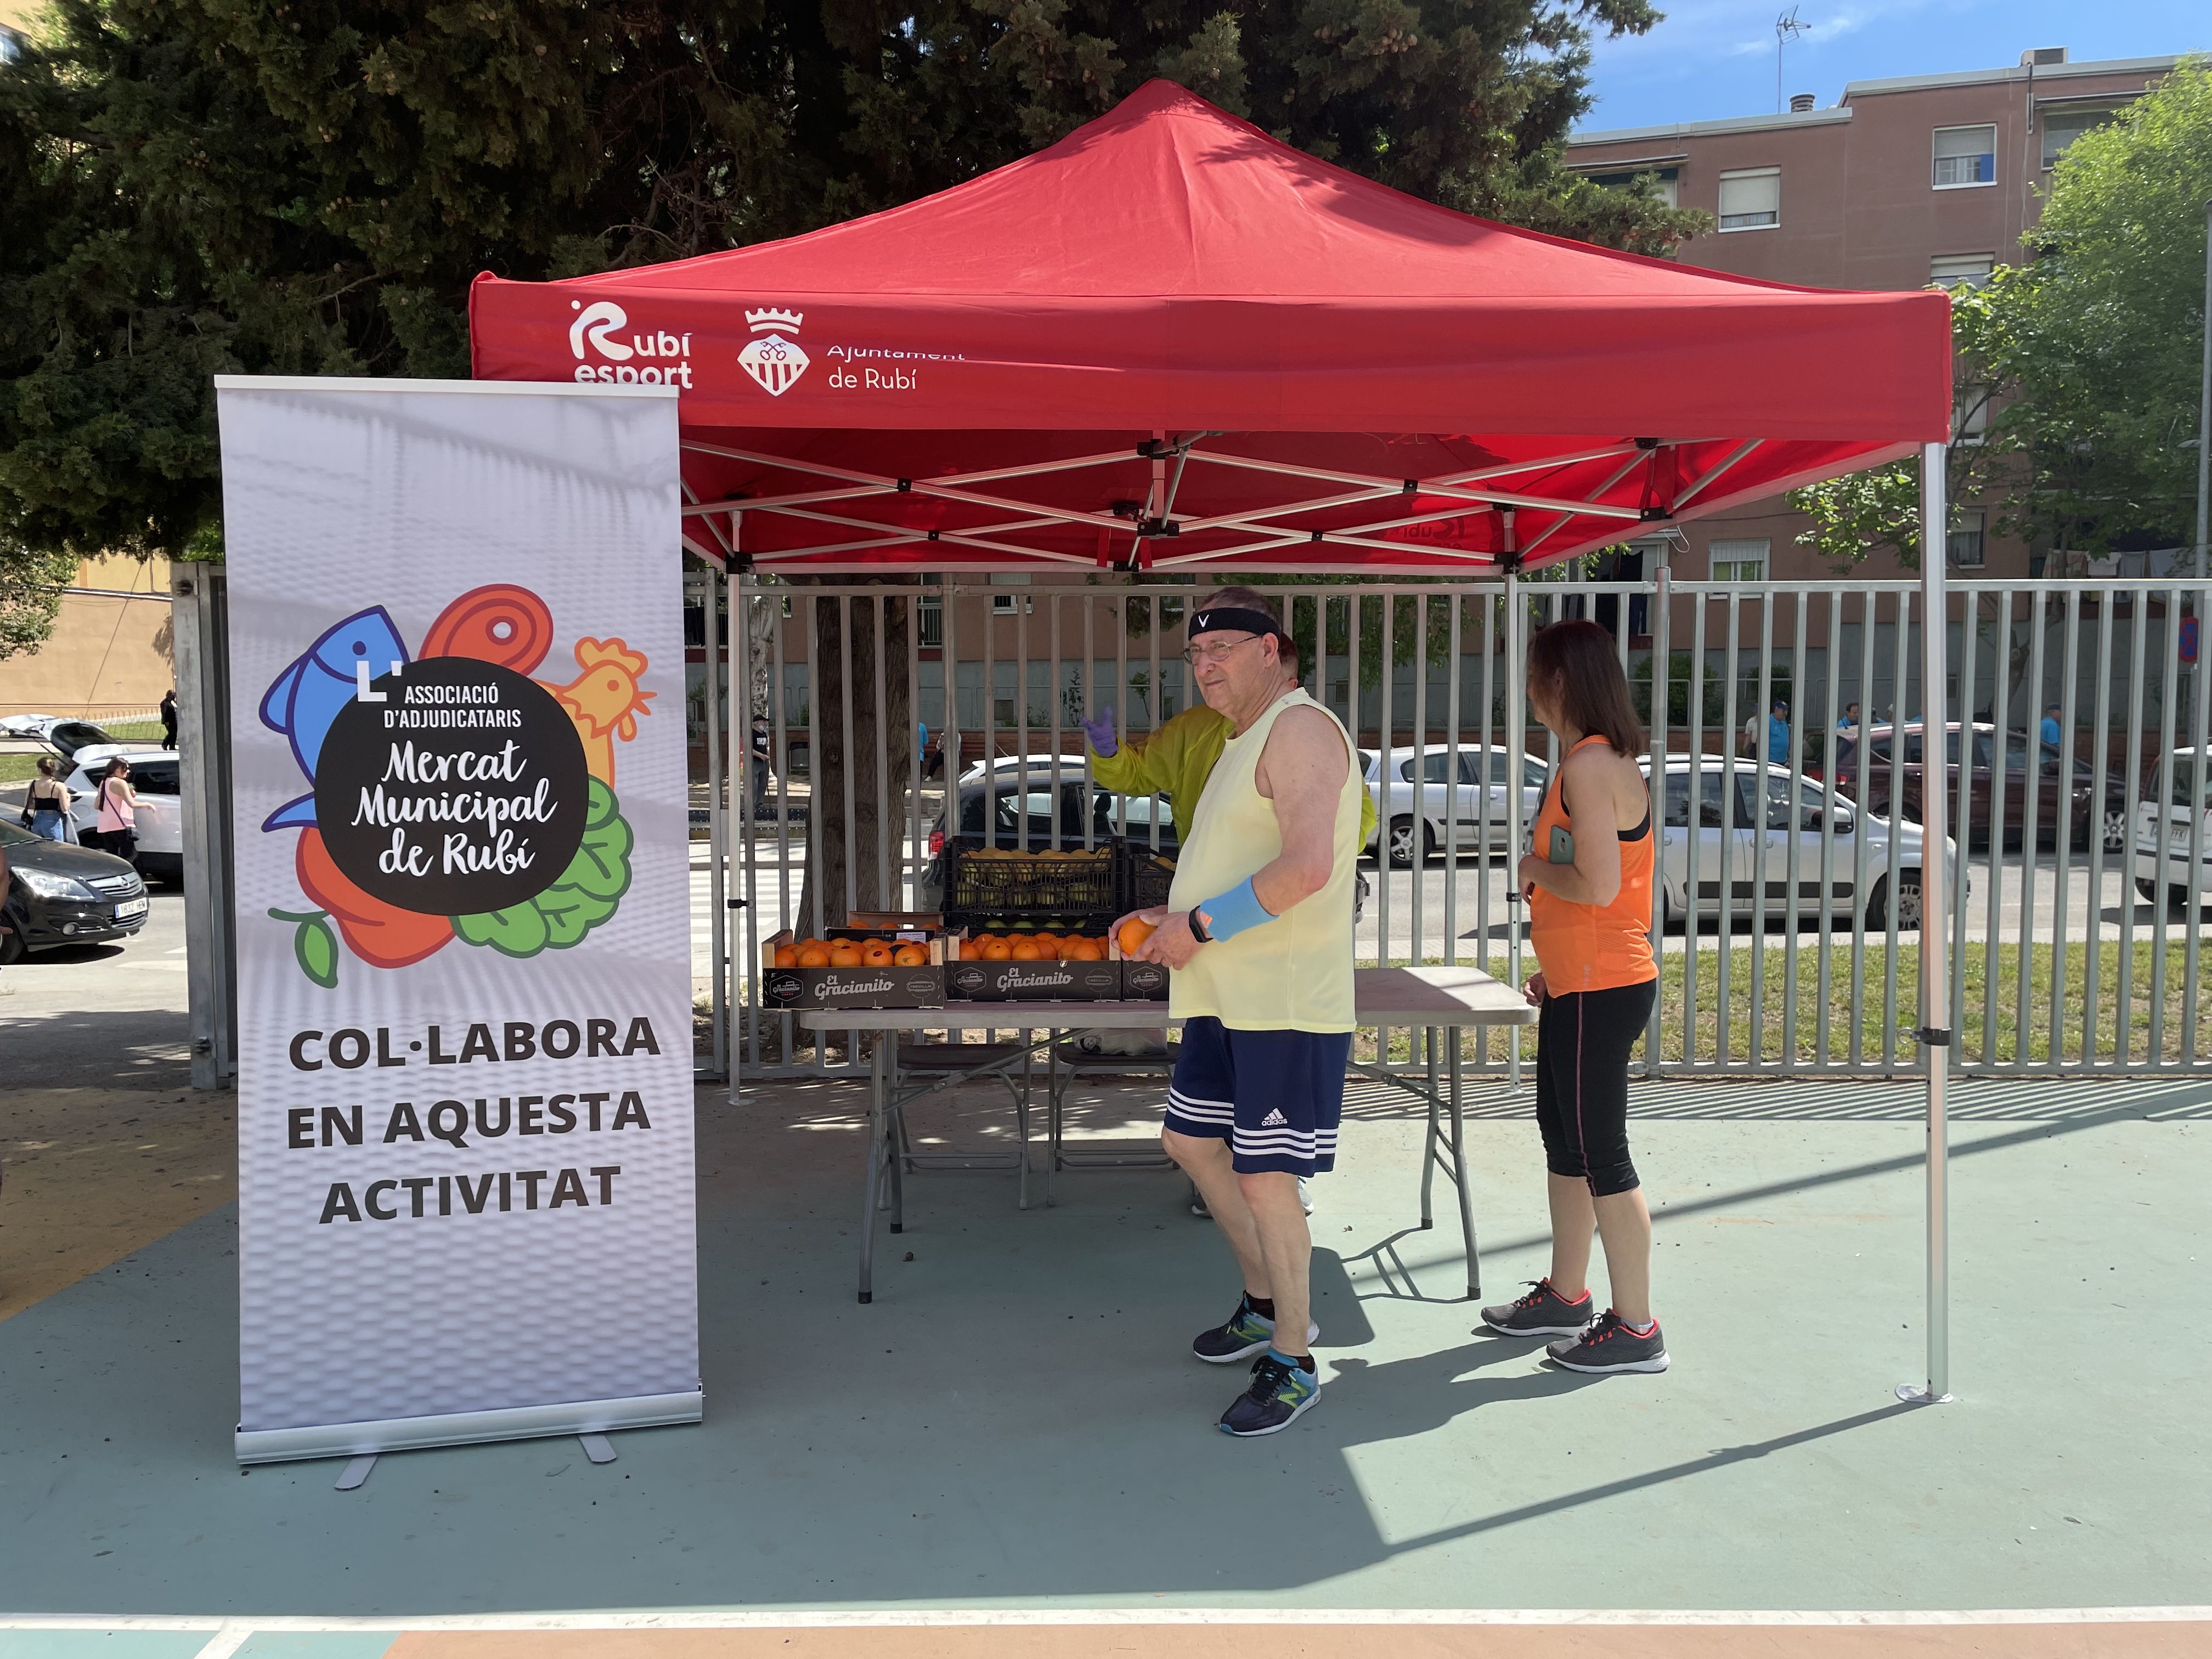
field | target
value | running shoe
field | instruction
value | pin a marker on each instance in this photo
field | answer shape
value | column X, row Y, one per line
column 1245, row 1333
column 1609, row 1344
column 1542, row 1312
column 1279, row 1396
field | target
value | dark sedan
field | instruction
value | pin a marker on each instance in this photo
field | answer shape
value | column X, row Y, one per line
column 60, row 894
column 2057, row 796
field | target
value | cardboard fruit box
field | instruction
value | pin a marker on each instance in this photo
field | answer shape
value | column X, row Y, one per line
column 1033, row 981
column 916, row 985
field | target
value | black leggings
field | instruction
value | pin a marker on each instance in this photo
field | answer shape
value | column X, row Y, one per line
column 1583, row 1040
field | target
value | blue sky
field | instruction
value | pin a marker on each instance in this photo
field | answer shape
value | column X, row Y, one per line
column 1715, row 57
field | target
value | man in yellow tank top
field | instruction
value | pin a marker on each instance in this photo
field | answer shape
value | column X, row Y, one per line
column 1258, row 930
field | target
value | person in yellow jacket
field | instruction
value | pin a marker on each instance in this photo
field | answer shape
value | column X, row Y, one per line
column 1176, row 760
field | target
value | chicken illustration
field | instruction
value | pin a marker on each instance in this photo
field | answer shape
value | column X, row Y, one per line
column 604, row 700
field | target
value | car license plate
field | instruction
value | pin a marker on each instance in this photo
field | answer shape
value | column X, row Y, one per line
column 130, row 909
column 2179, row 834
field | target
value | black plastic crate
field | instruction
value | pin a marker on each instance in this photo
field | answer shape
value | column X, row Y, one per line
column 983, row 884
column 1145, row 876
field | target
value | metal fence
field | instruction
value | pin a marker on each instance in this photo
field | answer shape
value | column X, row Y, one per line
column 1786, row 914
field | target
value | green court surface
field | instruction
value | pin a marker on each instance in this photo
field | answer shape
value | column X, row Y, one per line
column 1015, row 1422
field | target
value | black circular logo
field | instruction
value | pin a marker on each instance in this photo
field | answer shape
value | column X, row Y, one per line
column 463, row 791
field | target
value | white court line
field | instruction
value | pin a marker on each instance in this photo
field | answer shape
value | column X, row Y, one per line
column 225, row 1630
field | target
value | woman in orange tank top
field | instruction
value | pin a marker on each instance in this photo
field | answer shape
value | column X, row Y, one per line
column 1587, row 878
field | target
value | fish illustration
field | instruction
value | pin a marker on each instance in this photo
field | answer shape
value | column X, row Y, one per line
column 306, row 696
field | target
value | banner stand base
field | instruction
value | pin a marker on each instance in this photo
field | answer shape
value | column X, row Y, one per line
column 356, row 1473
column 588, row 1418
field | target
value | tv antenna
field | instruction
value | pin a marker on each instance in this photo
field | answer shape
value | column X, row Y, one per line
column 1784, row 27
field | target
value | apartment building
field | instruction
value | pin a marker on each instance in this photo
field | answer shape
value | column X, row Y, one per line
column 1929, row 179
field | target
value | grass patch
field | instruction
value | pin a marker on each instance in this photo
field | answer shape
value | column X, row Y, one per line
column 1693, row 1034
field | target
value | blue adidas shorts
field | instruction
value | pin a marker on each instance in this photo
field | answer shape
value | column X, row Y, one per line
column 1276, row 1097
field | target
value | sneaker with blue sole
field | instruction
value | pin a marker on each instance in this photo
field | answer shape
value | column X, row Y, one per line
column 1242, row 1335
column 1280, row 1394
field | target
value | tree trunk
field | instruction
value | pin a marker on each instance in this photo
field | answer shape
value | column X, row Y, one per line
column 857, row 818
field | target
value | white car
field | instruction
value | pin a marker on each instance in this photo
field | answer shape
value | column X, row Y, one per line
column 2176, row 810
column 1430, row 787
column 1722, row 852
column 154, row 776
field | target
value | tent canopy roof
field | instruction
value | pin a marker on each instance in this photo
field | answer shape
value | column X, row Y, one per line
column 1171, row 340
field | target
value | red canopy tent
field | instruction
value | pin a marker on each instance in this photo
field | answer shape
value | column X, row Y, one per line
column 1171, row 341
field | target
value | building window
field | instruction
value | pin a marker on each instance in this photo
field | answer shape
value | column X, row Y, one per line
column 1961, row 270
column 1003, row 604
column 1966, row 156
column 1967, row 538
column 1666, row 182
column 1970, row 415
column 929, row 618
column 1740, row 561
column 2061, row 127
column 1751, row 199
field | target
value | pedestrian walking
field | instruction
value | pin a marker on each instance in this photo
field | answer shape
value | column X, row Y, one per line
column 1589, row 884
column 1258, row 930
column 169, row 718
column 116, row 828
column 46, row 803
column 758, row 754
column 1777, row 731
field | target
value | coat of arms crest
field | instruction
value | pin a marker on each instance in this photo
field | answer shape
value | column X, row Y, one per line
column 774, row 360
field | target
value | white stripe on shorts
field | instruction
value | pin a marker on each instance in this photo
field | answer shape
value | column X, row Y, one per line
column 1201, row 1111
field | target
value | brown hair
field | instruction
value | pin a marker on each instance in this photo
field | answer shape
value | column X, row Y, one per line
column 1575, row 661
column 46, row 766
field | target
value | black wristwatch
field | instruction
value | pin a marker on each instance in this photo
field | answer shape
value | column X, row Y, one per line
column 1198, row 928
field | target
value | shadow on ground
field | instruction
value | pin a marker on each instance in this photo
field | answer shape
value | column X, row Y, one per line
column 1017, row 1418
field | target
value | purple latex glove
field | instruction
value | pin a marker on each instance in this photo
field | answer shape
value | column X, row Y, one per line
column 1100, row 731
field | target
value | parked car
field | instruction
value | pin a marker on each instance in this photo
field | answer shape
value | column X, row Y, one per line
column 1001, row 765
column 61, row 894
column 1720, row 853
column 2055, row 796
column 155, row 776
column 2176, row 799
column 1411, row 813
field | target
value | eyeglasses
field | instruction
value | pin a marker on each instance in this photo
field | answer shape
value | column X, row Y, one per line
column 1194, row 655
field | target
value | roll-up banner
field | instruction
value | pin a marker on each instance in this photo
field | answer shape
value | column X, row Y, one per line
column 465, row 1200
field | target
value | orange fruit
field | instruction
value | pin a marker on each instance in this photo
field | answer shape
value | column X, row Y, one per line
column 813, row 955
column 844, row 954
column 787, row 956
column 1028, row 950
column 1135, row 931
column 996, row 950
column 876, row 953
column 910, row 955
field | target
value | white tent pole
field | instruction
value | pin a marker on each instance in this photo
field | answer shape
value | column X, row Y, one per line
column 1934, row 922
column 1516, row 717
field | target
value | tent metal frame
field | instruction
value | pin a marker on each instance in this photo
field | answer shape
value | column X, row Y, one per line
column 1152, row 531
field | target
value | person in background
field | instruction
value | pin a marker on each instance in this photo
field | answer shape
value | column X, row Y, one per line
column 757, row 752
column 1777, row 732
column 2051, row 735
column 47, row 806
column 1589, row 882
column 116, row 829
column 1848, row 732
column 169, row 718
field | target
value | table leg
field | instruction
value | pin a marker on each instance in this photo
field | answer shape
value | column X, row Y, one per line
column 879, row 1149
column 1428, row 1161
column 1459, row 1164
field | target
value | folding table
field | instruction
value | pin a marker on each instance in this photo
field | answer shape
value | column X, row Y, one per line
column 1387, row 998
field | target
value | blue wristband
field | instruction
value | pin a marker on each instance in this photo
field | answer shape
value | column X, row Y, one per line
column 1235, row 911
